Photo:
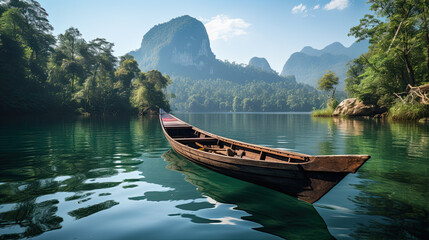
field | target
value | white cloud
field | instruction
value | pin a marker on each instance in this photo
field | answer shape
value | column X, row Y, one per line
column 223, row 27
column 316, row 7
column 337, row 4
column 299, row 9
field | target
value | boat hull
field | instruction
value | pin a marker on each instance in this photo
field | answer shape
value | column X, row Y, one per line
column 294, row 181
column 307, row 180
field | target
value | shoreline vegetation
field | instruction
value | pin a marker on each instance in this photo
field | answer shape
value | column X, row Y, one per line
column 398, row 112
column 324, row 112
column 394, row 74
column 44, row 74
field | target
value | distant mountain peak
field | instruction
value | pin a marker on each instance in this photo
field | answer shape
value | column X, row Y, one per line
column 310, row 64
column 260, row 63
column 182, row 41
column 181, row 48
column 335, row 44
column 335, row 48
column 307, row 48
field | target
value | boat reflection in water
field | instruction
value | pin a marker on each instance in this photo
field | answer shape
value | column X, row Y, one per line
column 306, row 177
column 278, row 213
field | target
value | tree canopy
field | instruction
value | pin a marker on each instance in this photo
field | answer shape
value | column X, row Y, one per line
column 327, row 82
column 41, row 73
column 399, row 51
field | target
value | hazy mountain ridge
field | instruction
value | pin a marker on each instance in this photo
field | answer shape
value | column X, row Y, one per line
column 260, row 63
column 311, row 64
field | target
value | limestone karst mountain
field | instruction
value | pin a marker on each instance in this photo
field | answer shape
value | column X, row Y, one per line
column 181, row 47
column 260, row 63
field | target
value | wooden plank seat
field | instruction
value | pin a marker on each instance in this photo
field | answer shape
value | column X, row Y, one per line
column 192, row 140
column 177, row 126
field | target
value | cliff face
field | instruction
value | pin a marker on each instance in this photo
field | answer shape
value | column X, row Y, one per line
column 311, row 64
column 175, row 45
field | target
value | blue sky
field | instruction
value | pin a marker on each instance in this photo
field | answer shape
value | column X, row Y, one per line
column 238, row 30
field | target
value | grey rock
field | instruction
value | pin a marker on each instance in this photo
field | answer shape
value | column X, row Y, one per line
column 354, row 107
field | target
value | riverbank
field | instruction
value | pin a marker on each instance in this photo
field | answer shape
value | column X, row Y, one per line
column 354, row 108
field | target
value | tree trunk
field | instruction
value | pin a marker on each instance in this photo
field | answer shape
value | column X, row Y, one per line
column 426, row 27
column 410, row 70
column 427, row 44
column 72, row 82
column 406, row 52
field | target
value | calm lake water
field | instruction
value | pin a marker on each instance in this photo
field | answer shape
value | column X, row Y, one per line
column 119, row 179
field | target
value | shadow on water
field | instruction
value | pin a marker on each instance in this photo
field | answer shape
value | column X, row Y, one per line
column 279, row 214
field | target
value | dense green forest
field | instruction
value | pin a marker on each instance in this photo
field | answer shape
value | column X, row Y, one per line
column 398, row 56
column 255, row 96
column 249, row 90
column 41, row 73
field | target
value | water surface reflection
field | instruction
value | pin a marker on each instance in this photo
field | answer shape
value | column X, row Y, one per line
column 387, row 198
column 62, row 178
column 278, row 213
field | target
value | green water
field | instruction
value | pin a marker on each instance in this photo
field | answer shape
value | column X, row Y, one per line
column 119, row 179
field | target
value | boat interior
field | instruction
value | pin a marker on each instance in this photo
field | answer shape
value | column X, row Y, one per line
column 194, row 138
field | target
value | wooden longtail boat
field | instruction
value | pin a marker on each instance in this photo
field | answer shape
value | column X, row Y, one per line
column 303, row 176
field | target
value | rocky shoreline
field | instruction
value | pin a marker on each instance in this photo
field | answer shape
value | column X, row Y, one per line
column 353, row 107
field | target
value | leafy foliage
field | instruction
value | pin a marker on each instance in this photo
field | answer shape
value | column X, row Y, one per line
column 325, row 112
column 398, row 56
column 25, row 45
column 148, row 91
column 328, row 111
column 75, row 76
column 409, row 111
column 328, row 81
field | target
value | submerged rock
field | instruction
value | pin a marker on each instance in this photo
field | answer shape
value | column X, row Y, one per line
column 354, row 107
